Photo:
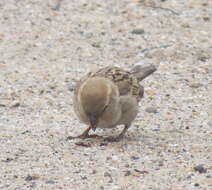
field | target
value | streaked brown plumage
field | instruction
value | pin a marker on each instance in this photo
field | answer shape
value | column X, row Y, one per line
column 109, row 97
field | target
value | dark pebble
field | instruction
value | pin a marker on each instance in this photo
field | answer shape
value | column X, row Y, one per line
column 128, row 173
column 196, row 184
column 134, row 157
column 15, row 105
column 203, row 58
column 200, row 169
column 31, row 177
column 24, row 132
column 138, row 31
column 84, row 177
column 7, row 160
column 48, row 19
column 103, row 144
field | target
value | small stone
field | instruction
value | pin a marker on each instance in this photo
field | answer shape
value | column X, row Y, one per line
column 138, row 31
column 203, row 58
column 96, row 45
column 49, row 19
column 50, row 182
column 71, row 86
column 196, row 184
column 141, row 171
column 84, row 177
column 206, row 19
column 160, row 163
column 127, row 173
column 107, row 174
column 151, row 110
column 103, row 144
column 7, row 160
column 31, row 177
column 25, row 132
column 52, row 86
column 195, row 85
column 200, row 169
column 134, row 157
column 15, row 104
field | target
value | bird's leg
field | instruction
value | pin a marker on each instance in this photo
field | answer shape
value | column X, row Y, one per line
column 120, row 136
column 84, row 135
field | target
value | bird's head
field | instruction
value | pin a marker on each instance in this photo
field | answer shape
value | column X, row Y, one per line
column 95, row 96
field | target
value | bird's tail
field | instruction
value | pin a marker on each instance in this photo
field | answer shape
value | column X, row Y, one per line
column 141, row 72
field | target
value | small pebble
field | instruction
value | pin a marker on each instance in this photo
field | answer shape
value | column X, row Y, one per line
column 107, row 174
column 84, row 177
column 7, row 160
column 127, row 173
column 200, row 169
column 138, row 31
column 103, row 144
column 151, row 110
column 31, row 177
column 203, row 58
column 134, row 157
column 50, row 182
column 15, row 104
column 71, row 86
column 195, row 85
column 49, row 19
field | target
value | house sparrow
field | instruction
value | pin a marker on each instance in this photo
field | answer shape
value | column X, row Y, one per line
column 109, row 97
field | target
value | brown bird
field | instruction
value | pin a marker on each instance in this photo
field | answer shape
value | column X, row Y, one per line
column 109, row 97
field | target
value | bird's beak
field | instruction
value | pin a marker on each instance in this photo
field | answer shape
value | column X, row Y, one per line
column 93, row 122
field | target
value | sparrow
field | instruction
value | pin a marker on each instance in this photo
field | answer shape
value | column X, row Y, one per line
column 109, row 97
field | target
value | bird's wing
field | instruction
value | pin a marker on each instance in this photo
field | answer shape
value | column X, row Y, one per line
column 126, row 82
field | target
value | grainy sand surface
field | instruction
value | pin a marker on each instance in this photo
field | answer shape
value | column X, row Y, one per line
column 45, row 45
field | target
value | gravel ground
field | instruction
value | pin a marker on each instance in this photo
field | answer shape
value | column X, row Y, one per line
column 45, row 45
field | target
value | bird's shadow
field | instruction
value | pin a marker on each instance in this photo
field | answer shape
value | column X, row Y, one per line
column 104, row 140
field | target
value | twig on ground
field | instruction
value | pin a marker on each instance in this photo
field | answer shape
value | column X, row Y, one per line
column 157, row 47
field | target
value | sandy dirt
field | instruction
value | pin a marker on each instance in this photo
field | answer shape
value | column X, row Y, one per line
column 46, row 45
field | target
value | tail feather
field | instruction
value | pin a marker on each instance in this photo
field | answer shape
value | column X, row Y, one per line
column 141, row 72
